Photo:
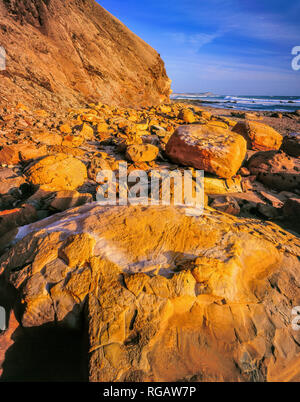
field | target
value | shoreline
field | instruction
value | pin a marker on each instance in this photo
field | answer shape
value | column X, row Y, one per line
column 285, row 124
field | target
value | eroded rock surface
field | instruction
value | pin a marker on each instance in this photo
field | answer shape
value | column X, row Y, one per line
column 291, row 144
column 276, row 169
column 213, row 149
column 57, row 172
column 259, row 136
column 166, row 296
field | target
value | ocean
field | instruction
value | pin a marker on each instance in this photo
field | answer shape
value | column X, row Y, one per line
column 252, row 103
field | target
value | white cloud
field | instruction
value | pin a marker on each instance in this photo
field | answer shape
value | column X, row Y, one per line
column 194, row 41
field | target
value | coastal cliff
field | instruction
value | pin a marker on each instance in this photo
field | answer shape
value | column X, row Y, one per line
column 71, row 52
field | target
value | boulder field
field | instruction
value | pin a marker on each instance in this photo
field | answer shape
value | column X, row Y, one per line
column 165, row 296
column 154, row 293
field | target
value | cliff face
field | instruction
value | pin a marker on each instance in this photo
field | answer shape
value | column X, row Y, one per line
column 65, row 53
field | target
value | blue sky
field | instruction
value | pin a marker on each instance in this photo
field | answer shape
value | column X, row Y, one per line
column 236, row 47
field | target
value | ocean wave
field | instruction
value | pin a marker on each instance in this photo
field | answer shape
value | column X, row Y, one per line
column 263, row 100
column 271, row 103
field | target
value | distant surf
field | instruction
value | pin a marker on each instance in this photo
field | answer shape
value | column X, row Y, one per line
column 269, row 103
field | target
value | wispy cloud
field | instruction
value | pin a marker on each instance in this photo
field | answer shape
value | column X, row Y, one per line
column 196, row 40
column 193, row 42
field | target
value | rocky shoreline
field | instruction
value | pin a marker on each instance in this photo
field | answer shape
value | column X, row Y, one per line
column 130, row 280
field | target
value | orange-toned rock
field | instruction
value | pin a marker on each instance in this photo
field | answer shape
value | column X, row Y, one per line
column 142, row 153
column 213, row 149
column 102, row 128
column 72, row 141
column 12, row 218
column 14, row 154
column 276, row 169
column 30, row 151
column 187, row 116
column 65, row 128
column 66, row 199
column 86, row 131
column 217, row 123
column 67, row 62
column 204, row 114
column 97, row 165
column 259, row 136
column 9, row 155
column 9, row 180
column 47, row 138
column 77, row 250
column 226, row 204
column 57, row 172
column 170, row 296
column 41, row 113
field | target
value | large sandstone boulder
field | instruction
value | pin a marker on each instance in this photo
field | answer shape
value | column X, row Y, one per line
column 210, row 148
column 63, row 53
column 57, row 172
column 165, row 296
column 259, row 136
column 276, row 169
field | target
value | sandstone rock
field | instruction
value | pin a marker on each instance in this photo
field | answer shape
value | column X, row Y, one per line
column 78, row 53
column 244, row 171
column 72, row 141
column 141, row 153
column 216, row 123
column 204, row 114
column 253, row 116
column 276, row 169
column 13, row 218
column 97, row 165
column 86, row 131
column 59, row 200
column 102, row 128
column 187, row 116
column 226, row 204
column 212, row 149
column 65, row 128
column 213, row 185
column 246, row 115
column 47, row 138
column 229, row 122
column 291, row 144
column 14, row 154
column 9, row 155
column 167, row 293
column 259, row 136
column 165, row 109
column 31, row 152
column 57, row 172
column 9, row 180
